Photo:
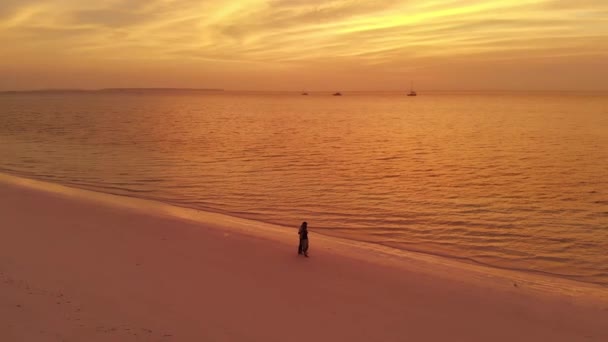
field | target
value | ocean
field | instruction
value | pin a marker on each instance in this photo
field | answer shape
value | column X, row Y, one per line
column 508, row 180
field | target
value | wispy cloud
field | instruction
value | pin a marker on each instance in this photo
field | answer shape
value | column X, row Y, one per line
column 371, row 34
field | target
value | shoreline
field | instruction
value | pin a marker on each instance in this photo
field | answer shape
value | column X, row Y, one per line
column 536, row 281
column 201, row 215
column 77, row 265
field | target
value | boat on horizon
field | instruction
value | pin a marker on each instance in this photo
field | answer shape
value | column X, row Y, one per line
column 337, row 94
column 304, row 93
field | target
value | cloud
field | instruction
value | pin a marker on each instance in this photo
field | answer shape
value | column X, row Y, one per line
column 301, row 33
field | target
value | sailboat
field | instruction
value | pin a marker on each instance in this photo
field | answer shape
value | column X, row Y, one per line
column 412, row 92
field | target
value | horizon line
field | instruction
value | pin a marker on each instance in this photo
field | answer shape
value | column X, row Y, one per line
column 178, row 89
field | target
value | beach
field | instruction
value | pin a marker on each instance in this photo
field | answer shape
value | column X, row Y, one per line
column 77, row 265
column 157, row 159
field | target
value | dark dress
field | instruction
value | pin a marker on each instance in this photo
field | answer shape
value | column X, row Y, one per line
column 303, row 247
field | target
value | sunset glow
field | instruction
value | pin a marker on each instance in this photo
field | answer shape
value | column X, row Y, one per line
column 305, row 44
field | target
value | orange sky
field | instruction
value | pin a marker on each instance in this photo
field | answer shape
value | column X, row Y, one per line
column 305, row 44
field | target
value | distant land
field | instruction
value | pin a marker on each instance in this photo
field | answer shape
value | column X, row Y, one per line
column 311, row 92
column 111, row 90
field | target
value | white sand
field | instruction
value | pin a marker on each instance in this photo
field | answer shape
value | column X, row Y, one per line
column 81, row 266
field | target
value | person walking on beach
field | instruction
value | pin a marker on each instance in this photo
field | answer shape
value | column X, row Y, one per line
column 303, row 247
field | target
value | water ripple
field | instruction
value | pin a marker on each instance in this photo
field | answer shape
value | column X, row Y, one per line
column 461, row 176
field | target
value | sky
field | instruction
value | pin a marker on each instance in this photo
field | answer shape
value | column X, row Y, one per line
column 305, row 44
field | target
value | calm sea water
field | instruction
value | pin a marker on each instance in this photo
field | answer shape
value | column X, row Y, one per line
column 511, row 181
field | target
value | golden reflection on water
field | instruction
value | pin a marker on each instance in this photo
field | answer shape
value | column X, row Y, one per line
column 514, row 181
